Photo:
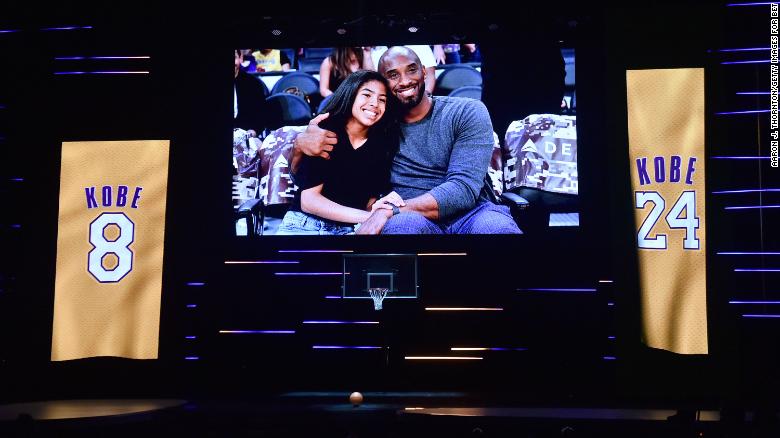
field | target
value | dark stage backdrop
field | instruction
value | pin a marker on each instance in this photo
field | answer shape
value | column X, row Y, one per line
column 558, row 312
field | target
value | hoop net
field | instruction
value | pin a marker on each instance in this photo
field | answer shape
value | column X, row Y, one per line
column 378, row 294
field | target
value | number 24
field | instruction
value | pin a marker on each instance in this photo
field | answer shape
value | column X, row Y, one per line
column 686, row 201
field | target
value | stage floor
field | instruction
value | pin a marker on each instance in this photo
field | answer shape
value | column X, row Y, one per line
column 383, row 414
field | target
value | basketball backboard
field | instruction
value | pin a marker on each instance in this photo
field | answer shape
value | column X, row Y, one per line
column 395, row 272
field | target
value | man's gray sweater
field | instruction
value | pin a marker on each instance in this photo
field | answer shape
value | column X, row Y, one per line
column 446, row 154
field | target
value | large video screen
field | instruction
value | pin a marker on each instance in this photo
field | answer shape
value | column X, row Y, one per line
column 415, row 139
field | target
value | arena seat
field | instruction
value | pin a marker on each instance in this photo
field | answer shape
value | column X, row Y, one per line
column 287, row 109
column 301, row 84
column 306, row 83
column 469, row 91
column 456, row 76
column 312, row 59
column 323, row 103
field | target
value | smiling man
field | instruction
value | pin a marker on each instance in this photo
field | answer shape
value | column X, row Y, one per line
column 439, row 171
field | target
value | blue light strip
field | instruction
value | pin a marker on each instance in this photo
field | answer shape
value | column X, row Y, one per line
column 747, row 49
column 46, row 29
column 752, row 4
column 192, row 358
column 609, row 358
column 196, row 284
column 753, row 207
column 17, row 179
column 333, row 297
column 752, row 93
column 283, row 251
column 557, row 290
column 611, row 338
column 17, row 226
column 192, row 306
column 81, row 58
column 9, row 30
column 725, row 192
column 345, row 347
column 605, row 281
column 754, row 302
column 726, row 113
column 101, row 72
column 761, row 316
column 261, row 262
column 610, row 304
column 308, row 273
column 340, row 322
column 257, row 332
column 762, row 61
column 742, row 157
column 749, row 253
column 756, row 270
column 190, row 337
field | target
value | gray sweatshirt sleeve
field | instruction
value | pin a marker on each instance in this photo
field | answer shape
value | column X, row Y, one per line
column 469, row 161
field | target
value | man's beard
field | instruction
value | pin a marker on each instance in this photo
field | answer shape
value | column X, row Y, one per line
column 410, row 103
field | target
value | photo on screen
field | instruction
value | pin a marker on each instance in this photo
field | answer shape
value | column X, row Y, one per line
column 475, row 145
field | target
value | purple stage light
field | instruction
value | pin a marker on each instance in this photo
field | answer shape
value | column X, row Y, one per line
column 749, row 253
column 756, row 270
column 726, row 192
column 726, row 113
column 308, row 273
column 345, row 347
column 751, row 207
column 761, row 61
column 257, row 332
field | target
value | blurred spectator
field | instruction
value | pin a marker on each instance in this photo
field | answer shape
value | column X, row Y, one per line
column 249, row 107
column 341, row 63
column 470, row 53
column 248, row 64
column 451, row 53
column 271, row 60
column 428, row 60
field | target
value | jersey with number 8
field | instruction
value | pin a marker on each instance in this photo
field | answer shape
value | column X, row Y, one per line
column 119, row 247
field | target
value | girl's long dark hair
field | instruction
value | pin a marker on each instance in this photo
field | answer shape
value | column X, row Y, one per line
column 340, row 106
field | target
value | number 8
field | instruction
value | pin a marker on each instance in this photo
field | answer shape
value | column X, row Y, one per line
column 101, row 247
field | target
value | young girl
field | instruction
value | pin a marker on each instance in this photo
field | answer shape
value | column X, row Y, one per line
column 333, row 195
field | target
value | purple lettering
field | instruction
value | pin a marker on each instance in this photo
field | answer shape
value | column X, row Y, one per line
column 136, row 197
column 121, row 196
column 641, row 167
column 91, row 202
column 106, row 196
column 688, row 179
column 674, row 171
column 660, row 172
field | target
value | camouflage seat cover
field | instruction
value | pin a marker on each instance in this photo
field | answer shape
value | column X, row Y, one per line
column 540, row 152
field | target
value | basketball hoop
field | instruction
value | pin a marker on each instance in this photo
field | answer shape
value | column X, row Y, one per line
column 378, row 294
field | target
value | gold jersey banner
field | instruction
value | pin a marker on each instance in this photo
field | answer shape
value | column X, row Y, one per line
column 111, row 227
column 666, row 148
